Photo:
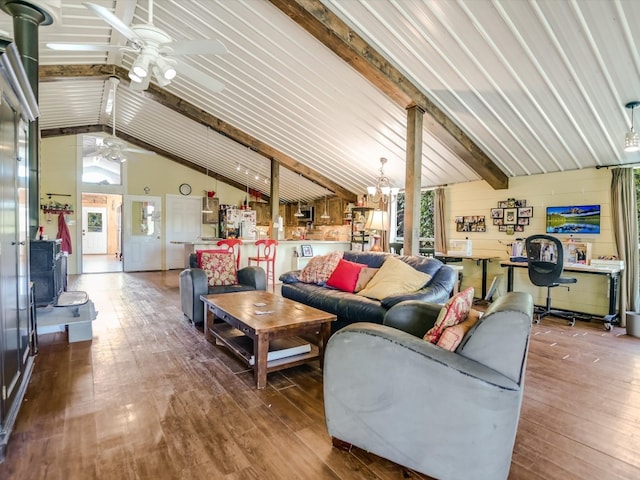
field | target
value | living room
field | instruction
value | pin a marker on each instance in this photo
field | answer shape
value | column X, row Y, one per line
column 148, row 396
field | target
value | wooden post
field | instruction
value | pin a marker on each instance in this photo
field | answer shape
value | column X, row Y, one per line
column 275, row 198
column 413, row 181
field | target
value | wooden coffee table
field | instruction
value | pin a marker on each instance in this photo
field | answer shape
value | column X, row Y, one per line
column 238, row 324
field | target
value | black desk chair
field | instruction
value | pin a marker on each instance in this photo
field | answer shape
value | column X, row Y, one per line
column 545, row 263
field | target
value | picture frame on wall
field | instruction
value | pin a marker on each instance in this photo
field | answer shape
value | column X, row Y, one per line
column 503, row 204
column 526, row 212
column 502, row 228
column 510, row 216
column 306, row 250
column 497, row 213
column 498, row 221
column 523, row 220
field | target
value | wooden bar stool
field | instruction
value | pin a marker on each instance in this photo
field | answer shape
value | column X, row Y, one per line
column 233, row 245
column 267, row 253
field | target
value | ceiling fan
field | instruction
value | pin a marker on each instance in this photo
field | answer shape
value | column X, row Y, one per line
column 156, row 51
column 111, row 147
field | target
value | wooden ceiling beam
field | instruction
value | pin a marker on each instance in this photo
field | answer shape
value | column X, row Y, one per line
column 336, row 35
column 59, row 72
column 84, row 129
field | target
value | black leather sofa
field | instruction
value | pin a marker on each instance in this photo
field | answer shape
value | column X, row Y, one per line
column 193, row 283
column 351, row 308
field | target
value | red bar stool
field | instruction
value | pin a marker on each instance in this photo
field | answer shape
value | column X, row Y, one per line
column 267, row 254
column 233, row 245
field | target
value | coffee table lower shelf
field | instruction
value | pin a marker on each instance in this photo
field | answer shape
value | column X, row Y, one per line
column 242, row 346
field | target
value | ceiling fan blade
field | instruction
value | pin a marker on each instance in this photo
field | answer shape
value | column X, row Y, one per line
column 112, row 20
column 194, row 47
column 197, row 76
column 75, row 47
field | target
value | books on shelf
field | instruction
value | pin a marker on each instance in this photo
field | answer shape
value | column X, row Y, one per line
column 278, row 348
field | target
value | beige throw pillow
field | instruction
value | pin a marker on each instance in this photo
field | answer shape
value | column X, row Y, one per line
column 394, row 278
column 365, row 276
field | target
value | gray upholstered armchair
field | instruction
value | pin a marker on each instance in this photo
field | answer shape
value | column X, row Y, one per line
column 193, row 283
column 450, row 415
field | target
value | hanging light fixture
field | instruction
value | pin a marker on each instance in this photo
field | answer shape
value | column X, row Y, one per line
column 631, row 138
column 325, row 215
column 299, row 212
column 382, row 191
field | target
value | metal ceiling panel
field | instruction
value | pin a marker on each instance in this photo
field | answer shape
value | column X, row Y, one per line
column 539, row 86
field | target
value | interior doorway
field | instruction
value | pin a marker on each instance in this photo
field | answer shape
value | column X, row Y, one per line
column 101, row 233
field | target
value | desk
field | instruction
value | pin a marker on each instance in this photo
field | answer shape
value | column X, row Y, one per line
column 479, row 259
column 613, row 274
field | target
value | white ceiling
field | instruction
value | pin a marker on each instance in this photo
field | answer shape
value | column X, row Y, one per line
column 538, row 86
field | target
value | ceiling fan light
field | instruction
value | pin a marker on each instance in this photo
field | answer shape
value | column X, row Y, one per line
column 134, row 77
column 166, row 69
column 141, row 65
column 162, row 81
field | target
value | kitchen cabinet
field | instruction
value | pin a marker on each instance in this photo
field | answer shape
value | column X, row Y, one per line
column 263, row 212
column 212, row 215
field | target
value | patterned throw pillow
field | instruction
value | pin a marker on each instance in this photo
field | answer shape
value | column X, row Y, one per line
column 320, row 268
column 200, row 252
column 345, row 276
column 220, row 268
column 452, row 313
column 452, row 336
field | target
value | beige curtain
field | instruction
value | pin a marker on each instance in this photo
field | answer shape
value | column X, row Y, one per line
column 440, row 230
column 624, row 219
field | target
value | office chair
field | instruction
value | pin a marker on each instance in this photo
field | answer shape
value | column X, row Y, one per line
column 545, row 263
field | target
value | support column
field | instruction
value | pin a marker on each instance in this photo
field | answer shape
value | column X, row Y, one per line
column 26, row 20
column 275, row 198
column 413, row 180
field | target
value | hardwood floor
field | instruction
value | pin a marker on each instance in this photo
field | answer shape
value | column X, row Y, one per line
column 150, row 398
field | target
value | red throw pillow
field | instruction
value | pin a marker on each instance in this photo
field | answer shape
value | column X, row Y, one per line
column 200, row 252
column 345, row 276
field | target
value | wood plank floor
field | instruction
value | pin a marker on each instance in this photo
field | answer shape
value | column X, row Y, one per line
column 150, row 398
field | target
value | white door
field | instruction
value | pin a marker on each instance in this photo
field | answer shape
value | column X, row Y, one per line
column 142, row 244
column 183, row 223
column 94, row 230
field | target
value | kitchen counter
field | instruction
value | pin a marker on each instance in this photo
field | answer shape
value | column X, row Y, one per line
column 285, row 260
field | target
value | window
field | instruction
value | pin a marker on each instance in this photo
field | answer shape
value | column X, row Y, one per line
column 96, row 168
column 427, row 227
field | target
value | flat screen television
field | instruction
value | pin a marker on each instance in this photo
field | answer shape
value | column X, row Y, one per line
column 573, row 219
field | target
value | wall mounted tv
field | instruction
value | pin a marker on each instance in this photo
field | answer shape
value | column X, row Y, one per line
column 573, row 219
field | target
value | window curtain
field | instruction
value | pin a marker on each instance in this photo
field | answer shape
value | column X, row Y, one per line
column 439, row 228
column 624, row 210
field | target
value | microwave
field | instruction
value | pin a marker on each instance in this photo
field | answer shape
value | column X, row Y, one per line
column 307, row 213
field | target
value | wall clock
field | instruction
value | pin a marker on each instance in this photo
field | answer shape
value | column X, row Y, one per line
column 185, row 189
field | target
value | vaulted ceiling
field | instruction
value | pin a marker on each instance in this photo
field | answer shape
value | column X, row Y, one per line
column 509, row 88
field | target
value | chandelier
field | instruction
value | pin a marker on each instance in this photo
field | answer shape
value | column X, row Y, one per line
column 382, row 191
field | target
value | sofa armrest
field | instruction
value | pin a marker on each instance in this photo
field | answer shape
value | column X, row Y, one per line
column 193, row 283
column 419, row 405
column 290, row 277
column 413, row 316
column 254, row 276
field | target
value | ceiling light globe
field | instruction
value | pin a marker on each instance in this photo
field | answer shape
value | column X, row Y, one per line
column 385, row 190
column 134, row 77
column 631, row 142
column 169, row 73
